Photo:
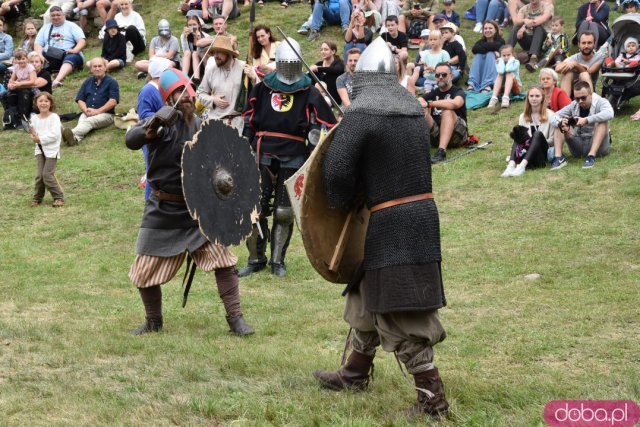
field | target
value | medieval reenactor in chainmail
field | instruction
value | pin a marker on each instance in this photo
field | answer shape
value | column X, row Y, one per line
column 380, row 156
column 167, row 231
column 279, row 114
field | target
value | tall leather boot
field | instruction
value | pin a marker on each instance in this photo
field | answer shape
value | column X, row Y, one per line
column 280, row 237
column 435, row 405
column 354, row 375
column 256, row 246
column 227, row 281
column 152, row 300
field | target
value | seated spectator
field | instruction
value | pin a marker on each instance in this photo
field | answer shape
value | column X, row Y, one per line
column 43, row 76
column 628, row 57
column 407, row 76
column 446, row 113
column 488, row 10
column 556, row 98
column 507, row 77
column 329, row 68
column 593, row 16
column 163, row 45
column 97, row 99
column 221, row 86
column 220, row 28
column 533, row 135
column 371, row 11
column 133, row 26
column 415, row 17
column 18, row 98
column 29, row 39
column 6, row 48
column 584, row 65
column 485, row 51
column 396, row 40
column 430, row 58
column 457, row 54
column 332, row 12
column 66, row 6
column 12, row 9
column 584, row 126
column 555, row 46
column 344, row 83
column 210, row 8
column 114, row 47
column 388, row 8
column 107, row 9
column 450, row 13
column 631, row 6
column 192, row 55
column 64, row 35
column 82, row 10
column 358, row 34
column 264, row 51
column 530, row 28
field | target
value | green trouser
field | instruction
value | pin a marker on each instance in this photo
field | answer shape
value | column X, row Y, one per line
column 411, row 335
column 46, row 179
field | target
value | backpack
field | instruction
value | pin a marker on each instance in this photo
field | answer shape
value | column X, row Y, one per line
column 415, row 28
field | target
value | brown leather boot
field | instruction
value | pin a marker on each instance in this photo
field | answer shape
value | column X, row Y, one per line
column 149, row 325
column 238, row 326
column 435, row 405
column 354, row 375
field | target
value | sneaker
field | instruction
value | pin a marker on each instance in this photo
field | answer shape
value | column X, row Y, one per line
column 142, row 75
column 558, row 163
column 441, row 156
column 505, row 102
column 492, row 102
column 509, row 170
column 519, row 170
column 478, row 28
column 589, row 162
column 303, row 30
column 313, row 35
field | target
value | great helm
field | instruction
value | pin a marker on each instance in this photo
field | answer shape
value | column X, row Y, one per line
column 172, row 80
column 288, row 64
column 376, row 58
column 164, row 29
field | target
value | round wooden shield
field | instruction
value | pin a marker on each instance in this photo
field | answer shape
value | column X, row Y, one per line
column 333, row 238
column 221, row 183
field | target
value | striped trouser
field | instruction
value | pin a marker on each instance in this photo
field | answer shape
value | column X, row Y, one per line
column 148, row 271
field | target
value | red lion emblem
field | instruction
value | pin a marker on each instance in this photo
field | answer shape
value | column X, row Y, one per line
column 297, row 187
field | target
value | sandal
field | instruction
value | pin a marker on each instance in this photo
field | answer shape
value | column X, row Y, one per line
column 57, row 203
column 35, row 204
column 486, row 89
column 284, row 5
column 636, row 116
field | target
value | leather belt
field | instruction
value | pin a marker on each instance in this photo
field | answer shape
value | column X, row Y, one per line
column 401, row 201
column 168, row 197
column 274, row 134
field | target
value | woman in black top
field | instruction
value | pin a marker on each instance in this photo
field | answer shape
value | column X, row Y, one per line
column 593, row 16
column 330, row 68
column 43, row 77
column 485, row 51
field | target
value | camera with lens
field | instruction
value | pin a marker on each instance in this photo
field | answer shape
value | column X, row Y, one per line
column 572, row 121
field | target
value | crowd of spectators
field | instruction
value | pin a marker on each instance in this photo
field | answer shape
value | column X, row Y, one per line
column 537, row 41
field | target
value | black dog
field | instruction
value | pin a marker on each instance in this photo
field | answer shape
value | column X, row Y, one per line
column 520, row 134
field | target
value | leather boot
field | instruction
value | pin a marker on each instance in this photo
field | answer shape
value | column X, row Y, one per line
column 256, row 246
column 149, row 325
column 252, row 267
column 354, row 375
column 278, row 269
column 436, row 405
column 239, row 326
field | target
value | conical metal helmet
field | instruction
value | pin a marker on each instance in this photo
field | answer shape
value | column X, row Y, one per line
column 376, row 58
column 164, row 28
column 288, row 64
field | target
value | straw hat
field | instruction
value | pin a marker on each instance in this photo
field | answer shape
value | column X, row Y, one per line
column 224, row 44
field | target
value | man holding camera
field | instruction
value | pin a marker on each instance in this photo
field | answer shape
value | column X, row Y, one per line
column 584, row 126
column 167, row 230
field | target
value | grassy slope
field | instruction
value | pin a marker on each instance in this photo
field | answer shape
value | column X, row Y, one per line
column 66, row 358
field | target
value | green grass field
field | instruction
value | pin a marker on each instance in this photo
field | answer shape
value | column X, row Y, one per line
column 514, row 344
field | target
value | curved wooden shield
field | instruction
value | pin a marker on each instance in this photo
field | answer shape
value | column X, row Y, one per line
column 221, row 183
column 333, row 238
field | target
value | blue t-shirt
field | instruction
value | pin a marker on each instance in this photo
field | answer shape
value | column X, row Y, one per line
column 149, row 101
column 64, row 36
column 95, row 96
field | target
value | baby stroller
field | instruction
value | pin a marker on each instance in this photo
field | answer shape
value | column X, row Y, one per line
column 621, row 84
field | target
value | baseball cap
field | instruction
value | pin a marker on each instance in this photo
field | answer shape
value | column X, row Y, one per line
column 450, row 26
column 425, row 33
column 440, row 17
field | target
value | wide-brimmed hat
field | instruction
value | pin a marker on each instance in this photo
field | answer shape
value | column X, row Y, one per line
column 223, row 44
column 450, row 26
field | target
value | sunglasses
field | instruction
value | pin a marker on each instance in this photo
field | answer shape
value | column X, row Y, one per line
column 580, row 98
column 441, row 75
